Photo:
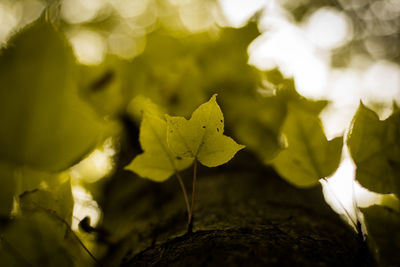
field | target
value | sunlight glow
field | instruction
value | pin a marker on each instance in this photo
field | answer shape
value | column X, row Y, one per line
column 130, row 8
column 303, row 52
column 89, row 46
column 238, row 12
column 344, row 194
column 10, row 15
column 328, row 28
column 96, row 166
column 77, row 11
column 196, row 16
column 84, row 206
column 126, row 46
column 382, row 82
column 287, row 48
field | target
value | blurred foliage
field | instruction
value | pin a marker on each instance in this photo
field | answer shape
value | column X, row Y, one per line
column 376, row 29
column 309, row 156
column 54, row 111
column 383, row 224
column 375, row 148
column 45, row 124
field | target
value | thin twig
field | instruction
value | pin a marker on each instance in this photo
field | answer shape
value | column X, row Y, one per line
column 56, row 216
column 178, row 175
column 190, row 225
column 341, row 204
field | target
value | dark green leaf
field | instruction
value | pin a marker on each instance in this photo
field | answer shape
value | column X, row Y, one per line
column 375, row 148
column 383, row 226
column 309, row 156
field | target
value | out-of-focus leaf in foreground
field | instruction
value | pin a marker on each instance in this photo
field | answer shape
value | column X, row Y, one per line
column 375, row 148
column 201, row 136
column 309, row 156
column 36, row 240
column 58, row 201
column 383, row 226
column 44, row 124
column 8, row 187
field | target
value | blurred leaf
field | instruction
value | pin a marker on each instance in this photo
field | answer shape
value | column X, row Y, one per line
column 141, row 105
column 256, row 122
column 375, row 148
column 104, row 86
column 44, row 124
column 309, row 155
column 59, row 201
column 37, row 240
column 383, row 226
column 202, row 137
column 177, row 71
column 157, row 162
column 8, row 187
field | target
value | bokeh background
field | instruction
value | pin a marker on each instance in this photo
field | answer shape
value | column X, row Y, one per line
column 343, row 51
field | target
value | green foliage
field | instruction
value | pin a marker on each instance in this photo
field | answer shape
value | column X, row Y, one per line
column 47, row 125
column 202, row 137
column 375, row 148
column 36, row 240
column 172, row 145
column 157, row 162
column 58, row 201
column 309, row 155
column 44, row 122
column 176, row 71
column 8, row 187
column 383, row 226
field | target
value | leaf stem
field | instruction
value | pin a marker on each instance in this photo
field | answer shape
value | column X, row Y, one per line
column 190, row 224
column 341, row 204
column 69, row 229
column 178, row 175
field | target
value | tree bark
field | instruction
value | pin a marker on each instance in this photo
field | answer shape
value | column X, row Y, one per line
column 245, row 215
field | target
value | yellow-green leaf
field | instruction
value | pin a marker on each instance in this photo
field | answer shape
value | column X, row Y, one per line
column 309, row 156
column 8, row 187
column 157, row 162
column 44, row 123
column 59, row 200
column 375, row 148
column 202, row 137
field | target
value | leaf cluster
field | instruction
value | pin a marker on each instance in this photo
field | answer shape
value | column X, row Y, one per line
column 171, row 144
column 374, row 145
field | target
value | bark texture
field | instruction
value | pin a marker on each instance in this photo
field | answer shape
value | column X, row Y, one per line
column 245, row 215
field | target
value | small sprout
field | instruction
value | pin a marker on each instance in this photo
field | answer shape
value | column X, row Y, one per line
column 188, row 142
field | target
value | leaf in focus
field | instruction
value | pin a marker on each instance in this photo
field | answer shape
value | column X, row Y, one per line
column 375, row 148
column 157, row 162
column 202, row 137
column 309, row 155
column 44, row 123
column 383, row 226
